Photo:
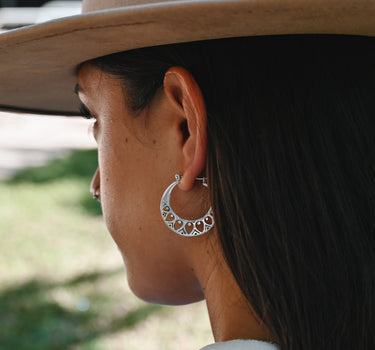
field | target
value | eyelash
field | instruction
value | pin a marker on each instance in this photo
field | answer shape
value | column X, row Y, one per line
column 85, row 112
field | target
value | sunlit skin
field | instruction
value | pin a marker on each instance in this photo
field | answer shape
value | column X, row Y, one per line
column 138, row 158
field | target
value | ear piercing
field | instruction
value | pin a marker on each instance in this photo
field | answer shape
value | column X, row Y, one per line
column 96, row 193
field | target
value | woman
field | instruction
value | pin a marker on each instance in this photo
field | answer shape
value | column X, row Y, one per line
column 236, row 170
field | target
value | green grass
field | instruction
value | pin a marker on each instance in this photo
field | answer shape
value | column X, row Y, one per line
column 56, row 258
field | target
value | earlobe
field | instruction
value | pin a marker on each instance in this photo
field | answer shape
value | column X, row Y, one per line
column 183, row 91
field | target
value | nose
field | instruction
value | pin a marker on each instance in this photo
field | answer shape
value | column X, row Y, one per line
column 95, row 185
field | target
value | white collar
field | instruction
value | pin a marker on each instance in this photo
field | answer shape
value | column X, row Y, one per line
column 241, row 345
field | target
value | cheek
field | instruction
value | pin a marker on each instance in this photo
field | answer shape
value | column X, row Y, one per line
column 133, row 179
column 130, row 199
column 114, row 196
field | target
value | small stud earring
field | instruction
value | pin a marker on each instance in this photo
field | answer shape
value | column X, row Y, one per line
column 96, row 194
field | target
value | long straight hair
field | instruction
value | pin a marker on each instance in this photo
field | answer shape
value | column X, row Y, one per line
column 291, row 168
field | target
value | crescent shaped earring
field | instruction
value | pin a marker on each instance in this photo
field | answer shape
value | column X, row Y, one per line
column 183, row 227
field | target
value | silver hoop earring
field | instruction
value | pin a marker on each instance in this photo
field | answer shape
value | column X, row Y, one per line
column 181, row 226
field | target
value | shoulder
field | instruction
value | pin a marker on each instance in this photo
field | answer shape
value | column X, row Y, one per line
column 241, row 345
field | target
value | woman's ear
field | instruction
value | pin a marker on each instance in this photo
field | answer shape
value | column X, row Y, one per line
column 183, row 91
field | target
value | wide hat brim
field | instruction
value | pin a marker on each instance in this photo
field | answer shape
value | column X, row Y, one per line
column 38, row 63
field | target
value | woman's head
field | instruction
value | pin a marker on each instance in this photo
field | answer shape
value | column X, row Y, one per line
column 290, row 166
column 139, row 153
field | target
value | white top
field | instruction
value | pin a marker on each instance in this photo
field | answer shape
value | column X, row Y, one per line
column 241, row 345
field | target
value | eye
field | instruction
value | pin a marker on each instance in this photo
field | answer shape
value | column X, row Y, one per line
column 85, row 113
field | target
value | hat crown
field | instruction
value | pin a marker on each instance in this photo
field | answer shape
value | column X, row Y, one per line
column 98, row 5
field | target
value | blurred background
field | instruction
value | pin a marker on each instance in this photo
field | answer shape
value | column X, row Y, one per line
column 19, row 13
column 62, row 280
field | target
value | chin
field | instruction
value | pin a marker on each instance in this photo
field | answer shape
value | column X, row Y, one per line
column 163, row 293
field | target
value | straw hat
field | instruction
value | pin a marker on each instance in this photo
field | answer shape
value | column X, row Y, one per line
column 38, row 63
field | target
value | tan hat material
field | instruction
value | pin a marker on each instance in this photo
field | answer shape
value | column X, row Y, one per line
column 38, row 63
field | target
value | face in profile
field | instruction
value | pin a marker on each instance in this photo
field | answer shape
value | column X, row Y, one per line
column 138, row 155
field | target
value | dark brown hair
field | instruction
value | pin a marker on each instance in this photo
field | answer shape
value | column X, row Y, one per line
column 291, row 168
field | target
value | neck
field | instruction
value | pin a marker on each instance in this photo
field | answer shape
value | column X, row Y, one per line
column 231, row 315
